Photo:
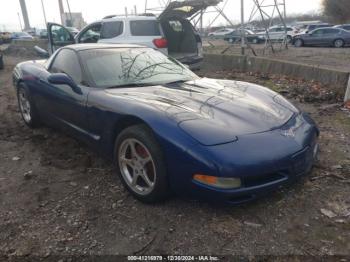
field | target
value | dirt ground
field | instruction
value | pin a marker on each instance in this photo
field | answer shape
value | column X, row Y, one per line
column 327, row 57
column 59, row 198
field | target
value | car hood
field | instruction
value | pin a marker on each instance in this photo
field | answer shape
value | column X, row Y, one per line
column 215, row 111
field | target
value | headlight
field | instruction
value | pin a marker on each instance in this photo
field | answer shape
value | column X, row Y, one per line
column 218, row 182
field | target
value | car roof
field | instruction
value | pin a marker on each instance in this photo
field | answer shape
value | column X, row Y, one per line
column 126, row 18
column 82, row 47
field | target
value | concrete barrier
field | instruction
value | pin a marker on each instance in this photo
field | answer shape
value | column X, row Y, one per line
column 28, row 43
column 337, row 80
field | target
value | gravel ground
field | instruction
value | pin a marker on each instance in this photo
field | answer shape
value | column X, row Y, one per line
column 59, row 198
column 327, row 57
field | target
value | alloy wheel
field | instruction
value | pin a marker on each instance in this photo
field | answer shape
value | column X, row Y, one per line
column 137, row 166
column 24, row 105
column 338, row 43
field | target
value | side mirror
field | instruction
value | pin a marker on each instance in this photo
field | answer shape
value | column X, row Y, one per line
column 63, row 79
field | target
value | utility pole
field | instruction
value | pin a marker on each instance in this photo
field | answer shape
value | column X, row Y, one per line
column 20, row 22
column 42, row 5
column 145, row 6
column 70, row 13
column 60, row 5
column 201, row 23
column 25, row 14
column 242, row 29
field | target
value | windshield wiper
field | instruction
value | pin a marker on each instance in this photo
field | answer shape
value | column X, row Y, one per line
column 177, row 82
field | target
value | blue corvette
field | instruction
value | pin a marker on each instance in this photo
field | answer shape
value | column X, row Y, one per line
column 166, row 129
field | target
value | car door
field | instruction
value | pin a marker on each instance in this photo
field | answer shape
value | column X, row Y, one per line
column 65, row 105
column 316, row 37
column 58, row 37
column 331, row 34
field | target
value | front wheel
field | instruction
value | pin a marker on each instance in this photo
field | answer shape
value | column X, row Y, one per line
column 27, row 107
column 299, row 43
column 339, row 43
column 139, row 162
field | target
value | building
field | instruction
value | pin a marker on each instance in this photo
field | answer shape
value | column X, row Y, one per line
column 73, row 20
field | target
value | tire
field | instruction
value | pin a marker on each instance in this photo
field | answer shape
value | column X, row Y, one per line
column 1, row 62
column 338, row 43
column 133, row 147
column 289, row 39
column 299, row 43
column 255, row 41
column 27, row 107
column 230, row 40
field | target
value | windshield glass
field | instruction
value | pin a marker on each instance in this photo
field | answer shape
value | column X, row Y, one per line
column 132, row 66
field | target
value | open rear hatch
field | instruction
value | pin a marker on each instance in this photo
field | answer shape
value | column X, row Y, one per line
column 184, row 42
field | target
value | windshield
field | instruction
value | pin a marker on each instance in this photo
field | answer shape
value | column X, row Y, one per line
column 116, row 67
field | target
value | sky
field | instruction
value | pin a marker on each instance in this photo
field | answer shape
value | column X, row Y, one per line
column 96, row 9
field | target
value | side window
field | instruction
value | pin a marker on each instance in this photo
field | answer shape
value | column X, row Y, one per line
column 331, row 31
column 347, row 27
column 145, row 28
column 91, row 34
column 318, row 32
column 111, row 29
column 67, row 62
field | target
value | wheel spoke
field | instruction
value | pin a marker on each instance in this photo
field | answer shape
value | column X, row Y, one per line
column 134, row 179
column 146, row 179
column 133, row 149
column 128, row 162
column 145, row 161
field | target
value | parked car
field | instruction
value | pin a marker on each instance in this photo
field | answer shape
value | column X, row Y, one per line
column 278, row 33
column 1, row 60
column 170, row 33
column 328, row 36
column 5, row 37
column 235, row 36
column 43, row 34
column 21, row 35
column 345, row 27
column 221, row 33
column 165, row 128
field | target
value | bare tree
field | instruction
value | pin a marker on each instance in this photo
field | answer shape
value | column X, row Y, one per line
column 337, row 10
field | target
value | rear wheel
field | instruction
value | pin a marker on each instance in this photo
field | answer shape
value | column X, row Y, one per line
column 139, row 162
column 339, row 43
column 299, row 43
column 27, row 107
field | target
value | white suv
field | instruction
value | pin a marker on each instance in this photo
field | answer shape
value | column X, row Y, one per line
column 171, row 32
column 277, row 33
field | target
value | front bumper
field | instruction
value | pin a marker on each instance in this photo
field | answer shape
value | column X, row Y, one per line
column 256, row 186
